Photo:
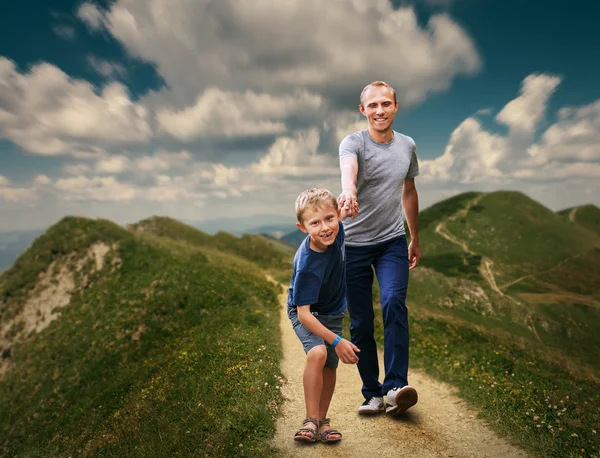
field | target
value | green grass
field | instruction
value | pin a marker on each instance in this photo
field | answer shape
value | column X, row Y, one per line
column 174, row 354
column 587, row 216
column 549, row 412
column 519, row 235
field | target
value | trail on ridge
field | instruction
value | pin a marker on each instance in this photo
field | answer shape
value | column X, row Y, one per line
column 440, row 425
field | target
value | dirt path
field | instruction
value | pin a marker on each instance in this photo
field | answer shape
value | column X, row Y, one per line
column 440, row 425
column 486, row 264
column 572, row 214
column 485, row 268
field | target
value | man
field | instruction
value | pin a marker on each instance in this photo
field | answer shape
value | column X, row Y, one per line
column 379, row 166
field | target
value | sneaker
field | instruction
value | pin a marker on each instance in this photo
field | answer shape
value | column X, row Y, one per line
column 371, row 405
column 401, row 399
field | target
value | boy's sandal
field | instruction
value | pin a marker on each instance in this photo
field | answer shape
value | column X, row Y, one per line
column 326, row 435
column 312, row 437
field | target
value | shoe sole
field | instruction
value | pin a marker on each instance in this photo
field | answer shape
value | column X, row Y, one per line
column 371, row 412
column 405, row 399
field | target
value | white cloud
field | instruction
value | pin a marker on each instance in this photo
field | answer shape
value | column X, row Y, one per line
column 90, row 14
column 4, row 181
column 576, row 136
column 525, row 112
column 560, row 170
column 42, row 180
column 296, row 156
column 46, row 112
column 472, row 156
column 331, row 48
column 106, row 68
column 114, row 165
column 77, row 169
column 17, row 195
column 95, row 189
column 217, row 113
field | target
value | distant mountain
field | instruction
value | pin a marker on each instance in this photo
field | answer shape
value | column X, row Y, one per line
column 294, row 237
column 587, row 216
column 256, row 224
column 272, row 230
column 14, row 243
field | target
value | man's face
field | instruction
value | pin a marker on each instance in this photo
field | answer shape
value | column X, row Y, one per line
column 379, row 107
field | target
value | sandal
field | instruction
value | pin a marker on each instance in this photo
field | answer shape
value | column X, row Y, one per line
column 312, row 437
column 326, row 435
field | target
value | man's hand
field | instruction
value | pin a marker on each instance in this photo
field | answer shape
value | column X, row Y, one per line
column 347, row 201
column 347, row 351
column 414, row 255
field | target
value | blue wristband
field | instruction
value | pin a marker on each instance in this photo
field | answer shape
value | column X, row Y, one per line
column 335, row 342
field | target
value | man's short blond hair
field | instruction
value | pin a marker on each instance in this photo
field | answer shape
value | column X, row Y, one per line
column 314, row 198
column 376, row 84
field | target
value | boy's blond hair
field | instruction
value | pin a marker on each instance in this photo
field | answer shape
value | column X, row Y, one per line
column 313, row 198
column 375, row 84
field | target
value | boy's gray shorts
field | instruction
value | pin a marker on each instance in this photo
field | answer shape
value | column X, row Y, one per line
column 310, row 340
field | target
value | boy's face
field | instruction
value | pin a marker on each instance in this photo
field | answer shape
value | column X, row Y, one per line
column 321, row 223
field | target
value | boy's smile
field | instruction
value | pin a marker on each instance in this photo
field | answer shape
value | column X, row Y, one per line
column 321, row 224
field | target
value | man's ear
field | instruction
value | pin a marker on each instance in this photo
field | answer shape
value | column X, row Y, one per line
column 301, row 227
column 361, row 109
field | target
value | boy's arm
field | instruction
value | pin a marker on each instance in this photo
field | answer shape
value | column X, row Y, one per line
column 344, row 349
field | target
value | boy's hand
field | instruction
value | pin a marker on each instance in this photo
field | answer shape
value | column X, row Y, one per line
column 347, row 209
column 347, row 202
column 347, row 352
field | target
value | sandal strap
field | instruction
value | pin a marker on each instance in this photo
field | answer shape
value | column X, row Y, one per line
column 324, row 422
column 310, row 420
column 330, row 432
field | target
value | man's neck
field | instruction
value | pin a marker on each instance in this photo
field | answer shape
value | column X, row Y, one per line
column 381, row 137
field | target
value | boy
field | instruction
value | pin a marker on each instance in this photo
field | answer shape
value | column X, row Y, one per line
column 317, row 306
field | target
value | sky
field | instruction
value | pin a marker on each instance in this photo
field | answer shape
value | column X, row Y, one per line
column 205, row 109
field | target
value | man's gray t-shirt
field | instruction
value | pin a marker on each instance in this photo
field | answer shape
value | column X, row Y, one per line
column 382, row 169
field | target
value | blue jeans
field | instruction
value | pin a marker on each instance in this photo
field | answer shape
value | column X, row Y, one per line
column 390, row 260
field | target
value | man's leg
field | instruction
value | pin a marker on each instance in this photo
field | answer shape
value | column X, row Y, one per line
column 359, row 281
column 391, row 267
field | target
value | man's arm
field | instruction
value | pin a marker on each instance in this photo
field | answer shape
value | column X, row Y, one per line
column 349, row 169
column 410, row 204
column 344, row 349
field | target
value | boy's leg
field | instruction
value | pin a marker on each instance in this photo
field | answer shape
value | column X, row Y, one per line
column 329, row 377
column 313, row 380
column 335, row 324
column 359, row 282
column 316, row 357
column 391, row 267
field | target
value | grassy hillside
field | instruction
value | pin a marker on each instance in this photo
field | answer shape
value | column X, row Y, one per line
column 587, row 216
column 159, row 343
column 506, row 306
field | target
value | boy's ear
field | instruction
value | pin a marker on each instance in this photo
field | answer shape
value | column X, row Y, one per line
column 301, row 227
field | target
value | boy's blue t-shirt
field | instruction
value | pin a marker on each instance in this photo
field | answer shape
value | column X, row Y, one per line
column 319, row 279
